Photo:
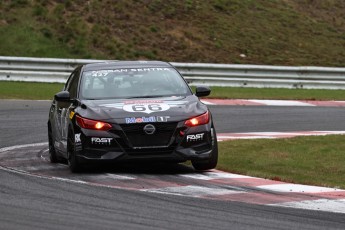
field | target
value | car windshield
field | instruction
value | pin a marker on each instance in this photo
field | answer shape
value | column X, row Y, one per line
column 132, row 83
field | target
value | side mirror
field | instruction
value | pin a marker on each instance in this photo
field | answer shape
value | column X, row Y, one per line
column 62, row 96
column 202, row 91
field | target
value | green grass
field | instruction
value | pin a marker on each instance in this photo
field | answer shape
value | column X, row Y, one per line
column 28, row 90
column 45, row 91
column 305, row 160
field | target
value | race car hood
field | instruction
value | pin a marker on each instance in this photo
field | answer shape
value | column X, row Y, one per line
column 128, row 110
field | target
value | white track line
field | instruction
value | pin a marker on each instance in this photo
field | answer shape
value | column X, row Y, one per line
column 22, row 146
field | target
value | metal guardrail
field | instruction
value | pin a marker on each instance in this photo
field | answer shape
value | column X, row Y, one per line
column 260, row 76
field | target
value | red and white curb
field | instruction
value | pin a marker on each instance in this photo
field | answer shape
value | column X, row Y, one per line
column 232, row 187
column 32, row 160
column 251, row 102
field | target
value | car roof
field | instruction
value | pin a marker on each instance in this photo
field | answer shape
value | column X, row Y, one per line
column 126, row 64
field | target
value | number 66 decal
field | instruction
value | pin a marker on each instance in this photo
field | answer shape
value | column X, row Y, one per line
column 146, row 108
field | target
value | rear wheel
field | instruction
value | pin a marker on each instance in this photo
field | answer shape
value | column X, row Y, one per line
column 211, row 163
column 72, row 159
column 52, row 153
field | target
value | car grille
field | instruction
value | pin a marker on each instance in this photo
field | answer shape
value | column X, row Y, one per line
column 138, row 138
column 150, row 151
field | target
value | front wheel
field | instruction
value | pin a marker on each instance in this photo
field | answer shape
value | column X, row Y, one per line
column 208, row 164
column 211, row 163
column 72, row 159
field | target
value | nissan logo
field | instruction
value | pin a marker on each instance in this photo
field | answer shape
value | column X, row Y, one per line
column 149, row 129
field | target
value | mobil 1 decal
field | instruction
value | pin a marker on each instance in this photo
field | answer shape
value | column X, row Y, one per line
column 145, row 106
column 131, row 120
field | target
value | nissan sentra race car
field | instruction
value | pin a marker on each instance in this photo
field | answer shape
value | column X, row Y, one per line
column 130, row 111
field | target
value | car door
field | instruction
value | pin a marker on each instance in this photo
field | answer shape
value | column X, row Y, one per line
column 64, row 108
column 55, row 117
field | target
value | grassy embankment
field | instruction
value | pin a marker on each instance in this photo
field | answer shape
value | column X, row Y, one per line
column 276, row 32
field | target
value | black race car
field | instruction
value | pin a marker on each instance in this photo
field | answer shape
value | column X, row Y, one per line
column 130, row 111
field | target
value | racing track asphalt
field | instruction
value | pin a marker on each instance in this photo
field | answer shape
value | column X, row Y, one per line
column 34, row 203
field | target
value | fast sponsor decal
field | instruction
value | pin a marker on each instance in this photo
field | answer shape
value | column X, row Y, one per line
column 101, row 140
column 195, row 137
column 132, row 120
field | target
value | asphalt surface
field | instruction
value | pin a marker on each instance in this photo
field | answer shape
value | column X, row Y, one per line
column 28, row 202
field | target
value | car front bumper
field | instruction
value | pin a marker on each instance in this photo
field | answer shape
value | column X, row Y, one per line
column 194, row 144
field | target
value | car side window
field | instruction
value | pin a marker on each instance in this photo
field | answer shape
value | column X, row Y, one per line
column 72, row 84
column 69, row 81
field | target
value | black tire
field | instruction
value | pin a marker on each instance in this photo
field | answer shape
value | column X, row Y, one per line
column 52, row 153
column 72, row 159
column 210, row 163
